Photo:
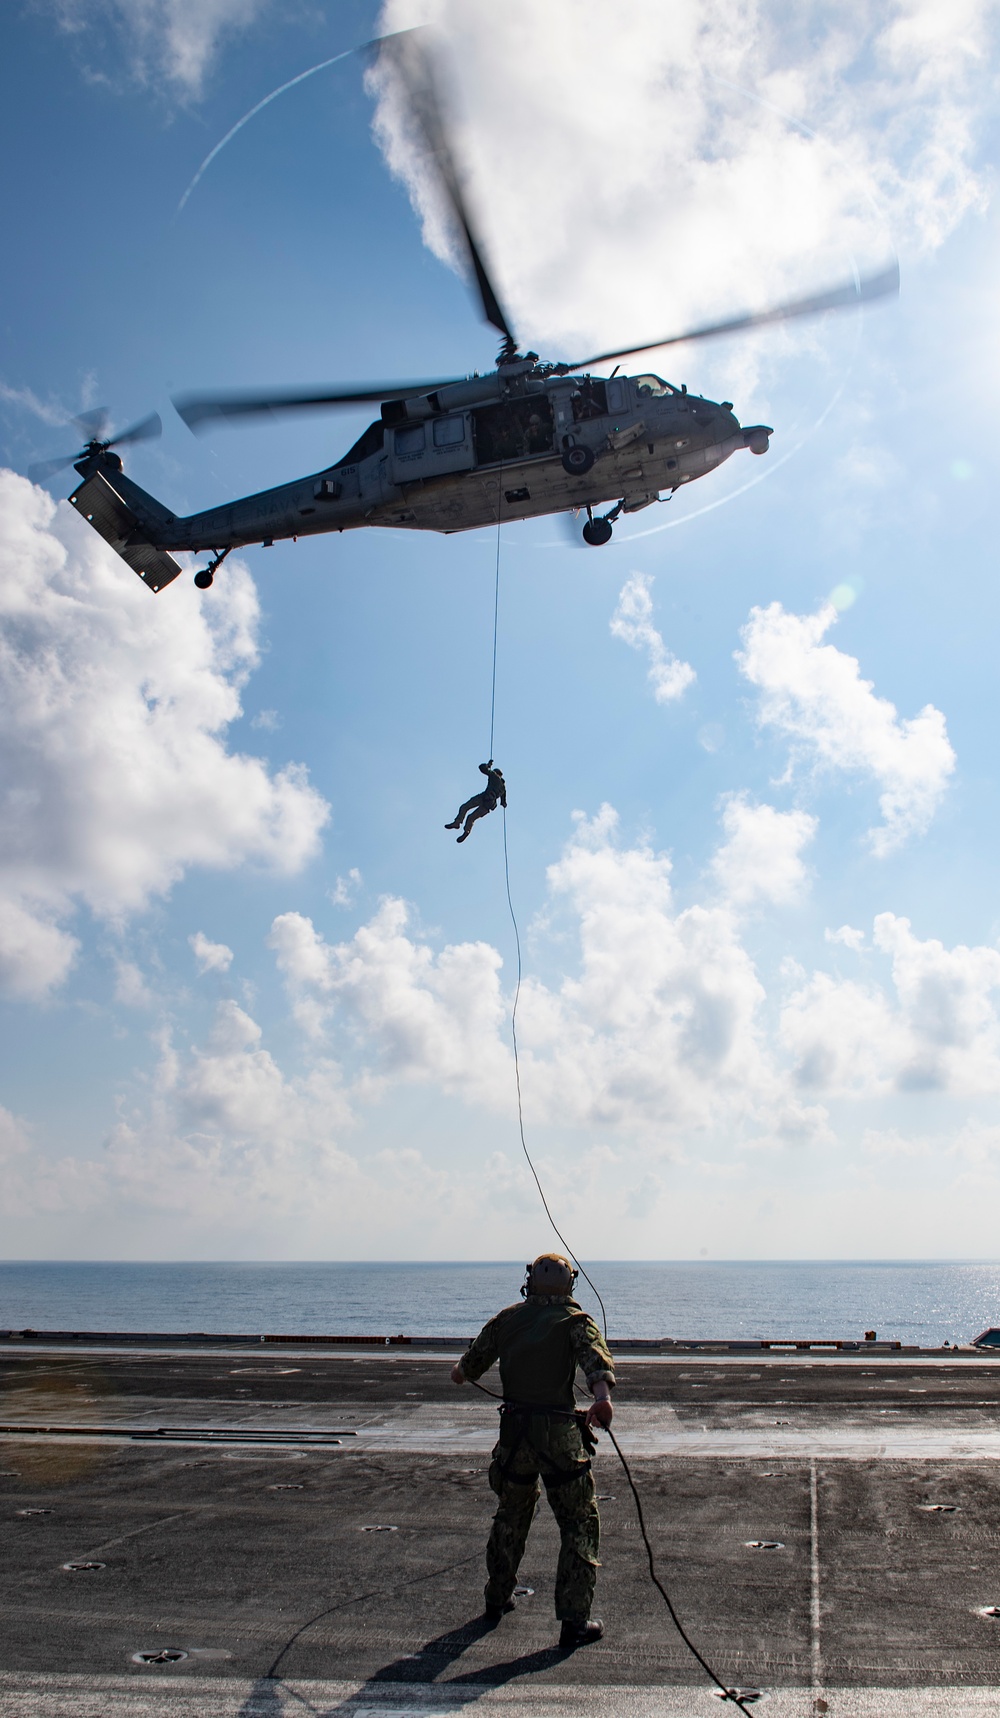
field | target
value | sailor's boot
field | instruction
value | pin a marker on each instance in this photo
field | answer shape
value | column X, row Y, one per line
column 572, row 1635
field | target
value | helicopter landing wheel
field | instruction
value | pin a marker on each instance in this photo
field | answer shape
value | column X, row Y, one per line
column 203, row 578
column 597, row 532
column 577, row 461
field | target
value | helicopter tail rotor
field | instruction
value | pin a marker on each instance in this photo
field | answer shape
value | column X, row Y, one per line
column 147, row 429
column 93, row 424
column 43, row 469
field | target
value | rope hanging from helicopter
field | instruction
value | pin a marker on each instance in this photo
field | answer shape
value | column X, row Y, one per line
column 496, row 621
column 722, row 1688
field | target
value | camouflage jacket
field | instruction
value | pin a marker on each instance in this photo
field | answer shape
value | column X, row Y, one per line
column 539, row 1343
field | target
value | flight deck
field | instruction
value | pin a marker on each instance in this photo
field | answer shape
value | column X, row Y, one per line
column 232, row 1529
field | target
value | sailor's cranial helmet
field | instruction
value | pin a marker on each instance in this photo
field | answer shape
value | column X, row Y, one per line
column 550, row 1273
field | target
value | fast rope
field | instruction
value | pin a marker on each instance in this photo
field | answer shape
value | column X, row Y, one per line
column 517, row 942
column 517, row 1078
column 723, row 1688
column 496, row 618
column 726, row 1692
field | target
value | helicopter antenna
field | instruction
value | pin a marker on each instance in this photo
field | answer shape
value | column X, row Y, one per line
column 407, row 57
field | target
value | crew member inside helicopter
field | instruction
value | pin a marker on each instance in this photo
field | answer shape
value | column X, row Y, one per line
column 590, row 400
column 512, row 430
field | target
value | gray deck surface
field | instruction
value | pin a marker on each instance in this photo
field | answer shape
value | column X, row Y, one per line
column 871, row 1605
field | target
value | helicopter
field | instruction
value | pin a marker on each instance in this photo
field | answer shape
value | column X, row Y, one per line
column 525, row 439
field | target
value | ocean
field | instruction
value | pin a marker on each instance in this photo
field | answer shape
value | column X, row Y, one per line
column 926, row 1302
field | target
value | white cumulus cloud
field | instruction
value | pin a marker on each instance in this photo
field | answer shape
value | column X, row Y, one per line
column 647, row 1038
column 933, row 1025
column 813, row 695
column 211, row 957
column 229, row 1145
column 656, row 1031
column 345, row 888
column 761, row 859
column 131, row 989
column 948, row 1000
column 14, row 1139
column 632, row 622
column 115, row 777
column 588, row 203
column 177, row 39
column 417, row 1015
column 35, row 953
column 848, row 936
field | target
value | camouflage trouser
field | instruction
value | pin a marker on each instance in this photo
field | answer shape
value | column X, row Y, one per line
column 550, row 1447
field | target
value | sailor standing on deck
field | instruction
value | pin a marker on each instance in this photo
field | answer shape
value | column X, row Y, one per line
column 539, row 1344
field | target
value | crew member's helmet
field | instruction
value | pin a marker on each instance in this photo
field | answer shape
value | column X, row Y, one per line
column 550, row 1274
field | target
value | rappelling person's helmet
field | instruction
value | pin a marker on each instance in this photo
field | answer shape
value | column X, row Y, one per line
column 550, row 1273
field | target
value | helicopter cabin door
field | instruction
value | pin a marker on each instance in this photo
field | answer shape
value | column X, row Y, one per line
column 431, row 448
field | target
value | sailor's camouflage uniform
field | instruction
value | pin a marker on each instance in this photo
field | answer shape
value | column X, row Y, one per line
column 539, row 1343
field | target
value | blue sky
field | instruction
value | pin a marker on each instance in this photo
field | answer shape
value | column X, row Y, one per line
column 255, row 1001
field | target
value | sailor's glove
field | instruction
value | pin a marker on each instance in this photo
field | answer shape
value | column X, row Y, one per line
column 587, row 1437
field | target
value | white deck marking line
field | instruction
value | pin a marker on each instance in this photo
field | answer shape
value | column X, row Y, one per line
column 147, row 1527
column 816, row 1651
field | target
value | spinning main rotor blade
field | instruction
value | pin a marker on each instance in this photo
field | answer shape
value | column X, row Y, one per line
column 406, row 54
column 862, row 291
column 198, row 410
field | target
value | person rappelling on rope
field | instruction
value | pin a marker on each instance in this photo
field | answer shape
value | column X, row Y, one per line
column 481, row 804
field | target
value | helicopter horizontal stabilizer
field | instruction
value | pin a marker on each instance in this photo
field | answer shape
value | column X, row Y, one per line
column 101, row 505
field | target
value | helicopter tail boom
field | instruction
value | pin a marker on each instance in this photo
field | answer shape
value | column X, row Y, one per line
column 111, row 503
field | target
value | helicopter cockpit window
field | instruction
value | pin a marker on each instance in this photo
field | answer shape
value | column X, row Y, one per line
column 448, row 432
column 652, row 387
column 409, row 440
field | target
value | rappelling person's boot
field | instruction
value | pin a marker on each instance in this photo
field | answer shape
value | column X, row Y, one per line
column 572, row 1635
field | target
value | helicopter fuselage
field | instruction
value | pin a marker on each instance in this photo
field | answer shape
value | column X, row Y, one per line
column 515, row 444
